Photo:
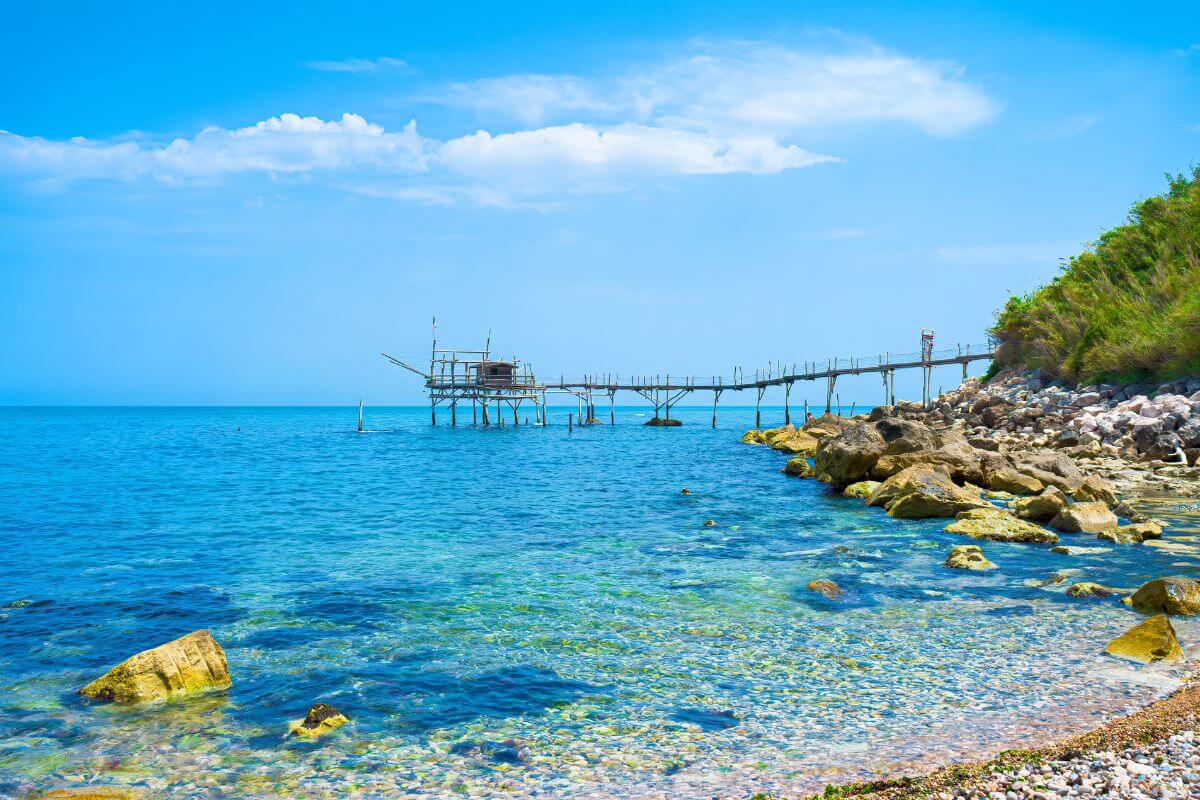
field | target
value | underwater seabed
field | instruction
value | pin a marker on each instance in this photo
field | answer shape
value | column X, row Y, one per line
column 518, row 612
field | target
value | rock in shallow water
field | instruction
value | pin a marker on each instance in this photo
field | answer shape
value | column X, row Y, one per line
column 321, row 719
column 1150, row 641
column 190, row 664
column 1171, row 595
column 1043, row 507
column 996, row 525
column 1089, row 517
column 861, row 489
column 967, row 556
column 826, row 588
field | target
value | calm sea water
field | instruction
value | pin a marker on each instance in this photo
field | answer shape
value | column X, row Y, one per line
column 514, row 612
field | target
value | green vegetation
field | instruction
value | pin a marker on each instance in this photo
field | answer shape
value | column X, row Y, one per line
column 1126, row 310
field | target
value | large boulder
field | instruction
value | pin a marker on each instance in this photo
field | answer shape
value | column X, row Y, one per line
column 796, row 442
column 905, row 436
column 1007, row 479
column 1172, row 595
column 1136, row 533
column 1054, row 463
column 1090, row 517
column 190, row 664
column 996, row 525
column 849, row 456
column 958, row 466
column 967, row 556
column 1150, row 641
column 922, row 491
column 1042, row 508
column 1095, row 488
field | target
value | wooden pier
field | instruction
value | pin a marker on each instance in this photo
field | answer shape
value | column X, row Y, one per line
column 459, row 376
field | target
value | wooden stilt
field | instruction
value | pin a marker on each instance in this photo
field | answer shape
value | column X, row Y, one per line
column 360, row 416
column 716, row 397
column 787, row 412
column 453, row 413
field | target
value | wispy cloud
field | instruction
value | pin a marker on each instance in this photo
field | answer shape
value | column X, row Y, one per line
column 756, row 85
column 721, row 109
column 1069, row 127
column 357, row 64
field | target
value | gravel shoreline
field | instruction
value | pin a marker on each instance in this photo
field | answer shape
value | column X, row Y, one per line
column 1151, row 753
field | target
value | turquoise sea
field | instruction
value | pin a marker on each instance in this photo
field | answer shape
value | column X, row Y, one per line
column 515, row 612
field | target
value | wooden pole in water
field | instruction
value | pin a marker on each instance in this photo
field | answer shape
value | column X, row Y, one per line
column 474, row 417
column 758, row 406
column 570, row 422
column 454, row 413
column 806, row 409
column 716, row 397
column 360, row 416
column 612, row 414
column 787, row 412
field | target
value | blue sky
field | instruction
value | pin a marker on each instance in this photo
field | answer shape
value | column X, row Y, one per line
column 232, row 205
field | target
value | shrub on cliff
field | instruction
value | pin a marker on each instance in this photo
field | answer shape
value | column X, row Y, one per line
column 1128, row 309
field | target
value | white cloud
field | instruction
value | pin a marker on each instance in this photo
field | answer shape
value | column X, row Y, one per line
column 284, row 144
column 763, row 87
column 357, row 64
column 732, row 108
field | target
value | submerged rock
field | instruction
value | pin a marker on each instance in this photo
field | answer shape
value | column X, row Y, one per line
column 190, row 664
column 1171, row 595
column 997, row 525
column 662, row 422
column 1071, row 550
column 709, row 523
column 321, row 719
column 861, row 489
column 1148, row 642
column 1089, row 517
column 1088, row 589
column 1043, row 507
column 967, row 556
column 825, row 587
column 91, row 793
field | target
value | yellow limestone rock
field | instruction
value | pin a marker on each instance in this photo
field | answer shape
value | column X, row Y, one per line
column 753, row 436
column 1092, row 516
column 967, row 556
column 190, row 664
column 1088, row 589
column 861, row 489
column 997, row 525
column 798, row 466
column 1172, row 595
column 1150, row 641
column 826, row 588
column 321, row 719
column 1043, row 507
column 795, row 442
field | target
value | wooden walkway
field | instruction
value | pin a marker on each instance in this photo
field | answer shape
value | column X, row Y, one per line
column 476, row 376
column 665, row 391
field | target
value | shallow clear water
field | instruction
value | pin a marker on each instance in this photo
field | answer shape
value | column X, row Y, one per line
column 514, row 611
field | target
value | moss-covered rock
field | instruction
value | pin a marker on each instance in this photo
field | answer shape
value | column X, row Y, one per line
column 752, row 436
column 798, row 466
column 321, row 719
column 922, row 491
column 861, row 489
column 1089, row 517
column 1172, row 595
column 91, row 793
column 967, row 556
column 798, row 442
column 1088, row 589
column 997, row 525
column 1150, row 641
column 191, row 664
column 1042, row 508
column 662, row 422
column 1136, row 533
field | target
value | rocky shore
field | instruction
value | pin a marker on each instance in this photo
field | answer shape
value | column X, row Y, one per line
column 1023, row 459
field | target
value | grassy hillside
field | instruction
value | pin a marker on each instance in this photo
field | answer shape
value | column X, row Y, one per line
column 1128, row 309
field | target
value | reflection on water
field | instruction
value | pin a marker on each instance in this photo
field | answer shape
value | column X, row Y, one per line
column 516, row 612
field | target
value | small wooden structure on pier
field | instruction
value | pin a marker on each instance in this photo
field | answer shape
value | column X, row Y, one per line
column 474, row 375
